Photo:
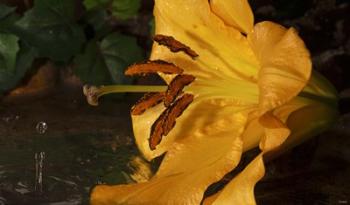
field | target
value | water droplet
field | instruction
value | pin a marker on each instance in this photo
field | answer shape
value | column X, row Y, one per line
column 39, row 164
column 41, row 127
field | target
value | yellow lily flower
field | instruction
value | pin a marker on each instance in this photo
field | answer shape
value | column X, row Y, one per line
column 253, row 86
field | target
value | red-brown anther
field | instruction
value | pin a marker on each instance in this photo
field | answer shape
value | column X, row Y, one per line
column 147, row 101
column 174, row 45
column 176, row 86
column 157, row 131
column 167, row 120
column 175, row 111
column 153, row 67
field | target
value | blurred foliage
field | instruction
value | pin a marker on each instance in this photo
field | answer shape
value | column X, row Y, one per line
column 106, row 60
column 81, row 34
column 50, row 28
column 90, row 4
column 10, row 76
column 122, row 9
column 125, row 8
column 5, row 10
column 8, row 49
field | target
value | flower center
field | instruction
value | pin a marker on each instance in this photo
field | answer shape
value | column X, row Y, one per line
column 173, row 96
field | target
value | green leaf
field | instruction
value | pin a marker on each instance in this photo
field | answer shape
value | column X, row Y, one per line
column 19, row 62
column 50, row 28
column 104, row 63
column 8, row 51
column 6, row 10
column 7, row 22
column 97, row 19
column 90, row 4
column 119, row 52
column 124, row 9
column 90, row 66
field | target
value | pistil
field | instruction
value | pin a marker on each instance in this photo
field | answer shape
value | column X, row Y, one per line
column 93, row 93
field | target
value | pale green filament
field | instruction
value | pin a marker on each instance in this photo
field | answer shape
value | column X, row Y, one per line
column 131, row 89
column 92, row 93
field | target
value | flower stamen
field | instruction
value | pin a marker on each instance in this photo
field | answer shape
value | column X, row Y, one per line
column 174, row 45
column 175, row 87
column 93, row 93
column 153, row 67
column 167, row 120
column 174, row 104
column 147, row 101
column 175, row 111
column 157, row 130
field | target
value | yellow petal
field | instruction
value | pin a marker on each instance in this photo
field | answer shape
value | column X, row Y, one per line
column 285, row 63
column 188, row 168
column 240, row 92
column 255, row 131
column 223, row 50
column 225, row 135
column 241, row 189
column 202, row 117
column 304, row 118
column 210, row 199
column 275, row 132
column 263, row 39
column 252, row 134
column 234, row 13
column 142, row 131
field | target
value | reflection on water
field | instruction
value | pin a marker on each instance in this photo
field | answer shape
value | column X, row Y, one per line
column 63, row 169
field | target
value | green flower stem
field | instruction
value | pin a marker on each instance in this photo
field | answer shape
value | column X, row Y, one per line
column 333, row 102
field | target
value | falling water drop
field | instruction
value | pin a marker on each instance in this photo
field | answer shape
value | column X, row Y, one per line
column 39, row 164
column 41, row 127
